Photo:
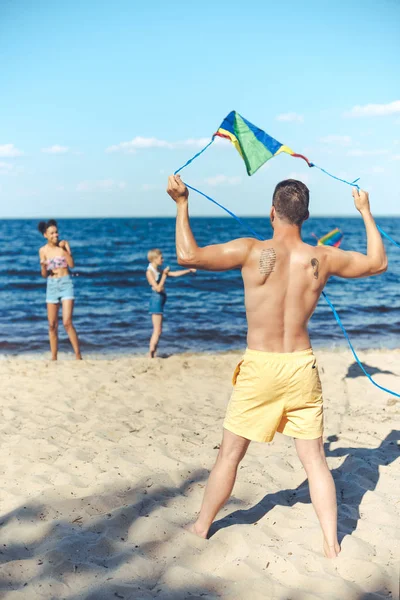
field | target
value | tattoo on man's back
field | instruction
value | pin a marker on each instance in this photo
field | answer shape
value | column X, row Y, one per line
column 267, row 261
column 315, row 266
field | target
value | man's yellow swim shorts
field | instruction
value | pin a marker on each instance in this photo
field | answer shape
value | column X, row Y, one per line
column 276, row 392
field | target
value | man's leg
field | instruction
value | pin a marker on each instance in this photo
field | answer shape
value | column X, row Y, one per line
column 221, row 481
column 322, row 491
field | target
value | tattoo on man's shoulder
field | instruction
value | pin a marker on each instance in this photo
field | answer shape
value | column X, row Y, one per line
column 315, row 266
column 267, row 261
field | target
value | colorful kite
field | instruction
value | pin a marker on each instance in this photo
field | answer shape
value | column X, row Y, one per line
column 253, row 144
column 333, row 238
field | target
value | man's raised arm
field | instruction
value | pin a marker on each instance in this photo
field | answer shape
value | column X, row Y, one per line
column 219, row 257
column 354, row 264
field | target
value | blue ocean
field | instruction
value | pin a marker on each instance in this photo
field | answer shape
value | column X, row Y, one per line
column 204, row 312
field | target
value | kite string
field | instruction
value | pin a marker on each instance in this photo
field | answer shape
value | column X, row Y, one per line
column 346, row 335
column 388, row 236
column 194, row 157
column 352, row 183
column 238, row 219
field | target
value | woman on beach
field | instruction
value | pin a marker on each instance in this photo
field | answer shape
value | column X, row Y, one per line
column 156, row 279
column 55, row 261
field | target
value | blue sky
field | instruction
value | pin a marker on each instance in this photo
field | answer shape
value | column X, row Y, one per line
column 100, row 101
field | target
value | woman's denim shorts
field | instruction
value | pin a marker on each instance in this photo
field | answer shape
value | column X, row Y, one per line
column 59, row 289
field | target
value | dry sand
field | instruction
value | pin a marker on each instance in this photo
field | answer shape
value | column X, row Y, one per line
column 104, row 461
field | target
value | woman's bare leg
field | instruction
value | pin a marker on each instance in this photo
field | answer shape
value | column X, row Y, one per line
column 322, row 491
column 155, row 338
column 67, row 311
column 221, row 481
column 52, row 316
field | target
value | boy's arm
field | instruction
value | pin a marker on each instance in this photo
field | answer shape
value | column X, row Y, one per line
column 181, row 273
column 355, row 264
column 219, row 257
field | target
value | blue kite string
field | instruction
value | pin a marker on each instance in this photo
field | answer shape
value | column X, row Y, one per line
column 238, row 219
column 354, row 183
column 388, row 236
column 195, row 156
column 352, row 349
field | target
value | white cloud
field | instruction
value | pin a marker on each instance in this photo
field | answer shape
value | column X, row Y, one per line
column 192, row 143
column 9, row 151
column 8, row 168
column 304, row 177
column 339, row 140
column 377, row 170
column 60, row 188
column 223, row 180
column 290, row 117
column 140, row 143
column 357, row 152
column 5, row 167
column 396, row 157
column 56, row 149
column 102, row 185
column 375, row 110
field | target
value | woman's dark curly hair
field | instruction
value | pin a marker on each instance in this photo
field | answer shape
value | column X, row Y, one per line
column 44, row 225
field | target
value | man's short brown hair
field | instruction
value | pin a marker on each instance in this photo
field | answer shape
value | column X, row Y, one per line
column 290, row 199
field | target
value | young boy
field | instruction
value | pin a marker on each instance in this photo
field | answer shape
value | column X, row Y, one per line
column 156, row 278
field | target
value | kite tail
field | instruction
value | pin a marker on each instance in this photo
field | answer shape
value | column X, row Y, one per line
column 346, row 335
column 194, row 157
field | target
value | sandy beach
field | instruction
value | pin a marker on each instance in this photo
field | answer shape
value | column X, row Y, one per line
column 104, row 461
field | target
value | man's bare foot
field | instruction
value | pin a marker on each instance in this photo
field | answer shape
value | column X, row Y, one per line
column 152, row 354
column 193, row 529
column 78, row 356
column 331, row 551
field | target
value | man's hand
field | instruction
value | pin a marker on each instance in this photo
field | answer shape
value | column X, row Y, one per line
column 166, row 270
column 193, row 270
column 177, row 189
column 361, row 200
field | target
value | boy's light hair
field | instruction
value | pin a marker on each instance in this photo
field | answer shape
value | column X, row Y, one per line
column 153, row 254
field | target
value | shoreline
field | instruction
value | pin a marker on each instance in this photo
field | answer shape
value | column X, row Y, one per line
column 112, row 355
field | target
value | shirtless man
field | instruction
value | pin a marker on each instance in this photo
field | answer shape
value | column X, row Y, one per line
column 276, row 385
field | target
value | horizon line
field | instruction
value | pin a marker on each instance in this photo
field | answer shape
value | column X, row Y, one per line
column 100, row 217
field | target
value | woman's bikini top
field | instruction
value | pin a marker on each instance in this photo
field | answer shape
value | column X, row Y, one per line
column 57, row 262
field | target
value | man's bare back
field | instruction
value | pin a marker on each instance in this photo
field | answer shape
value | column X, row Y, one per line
column 283, row 279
